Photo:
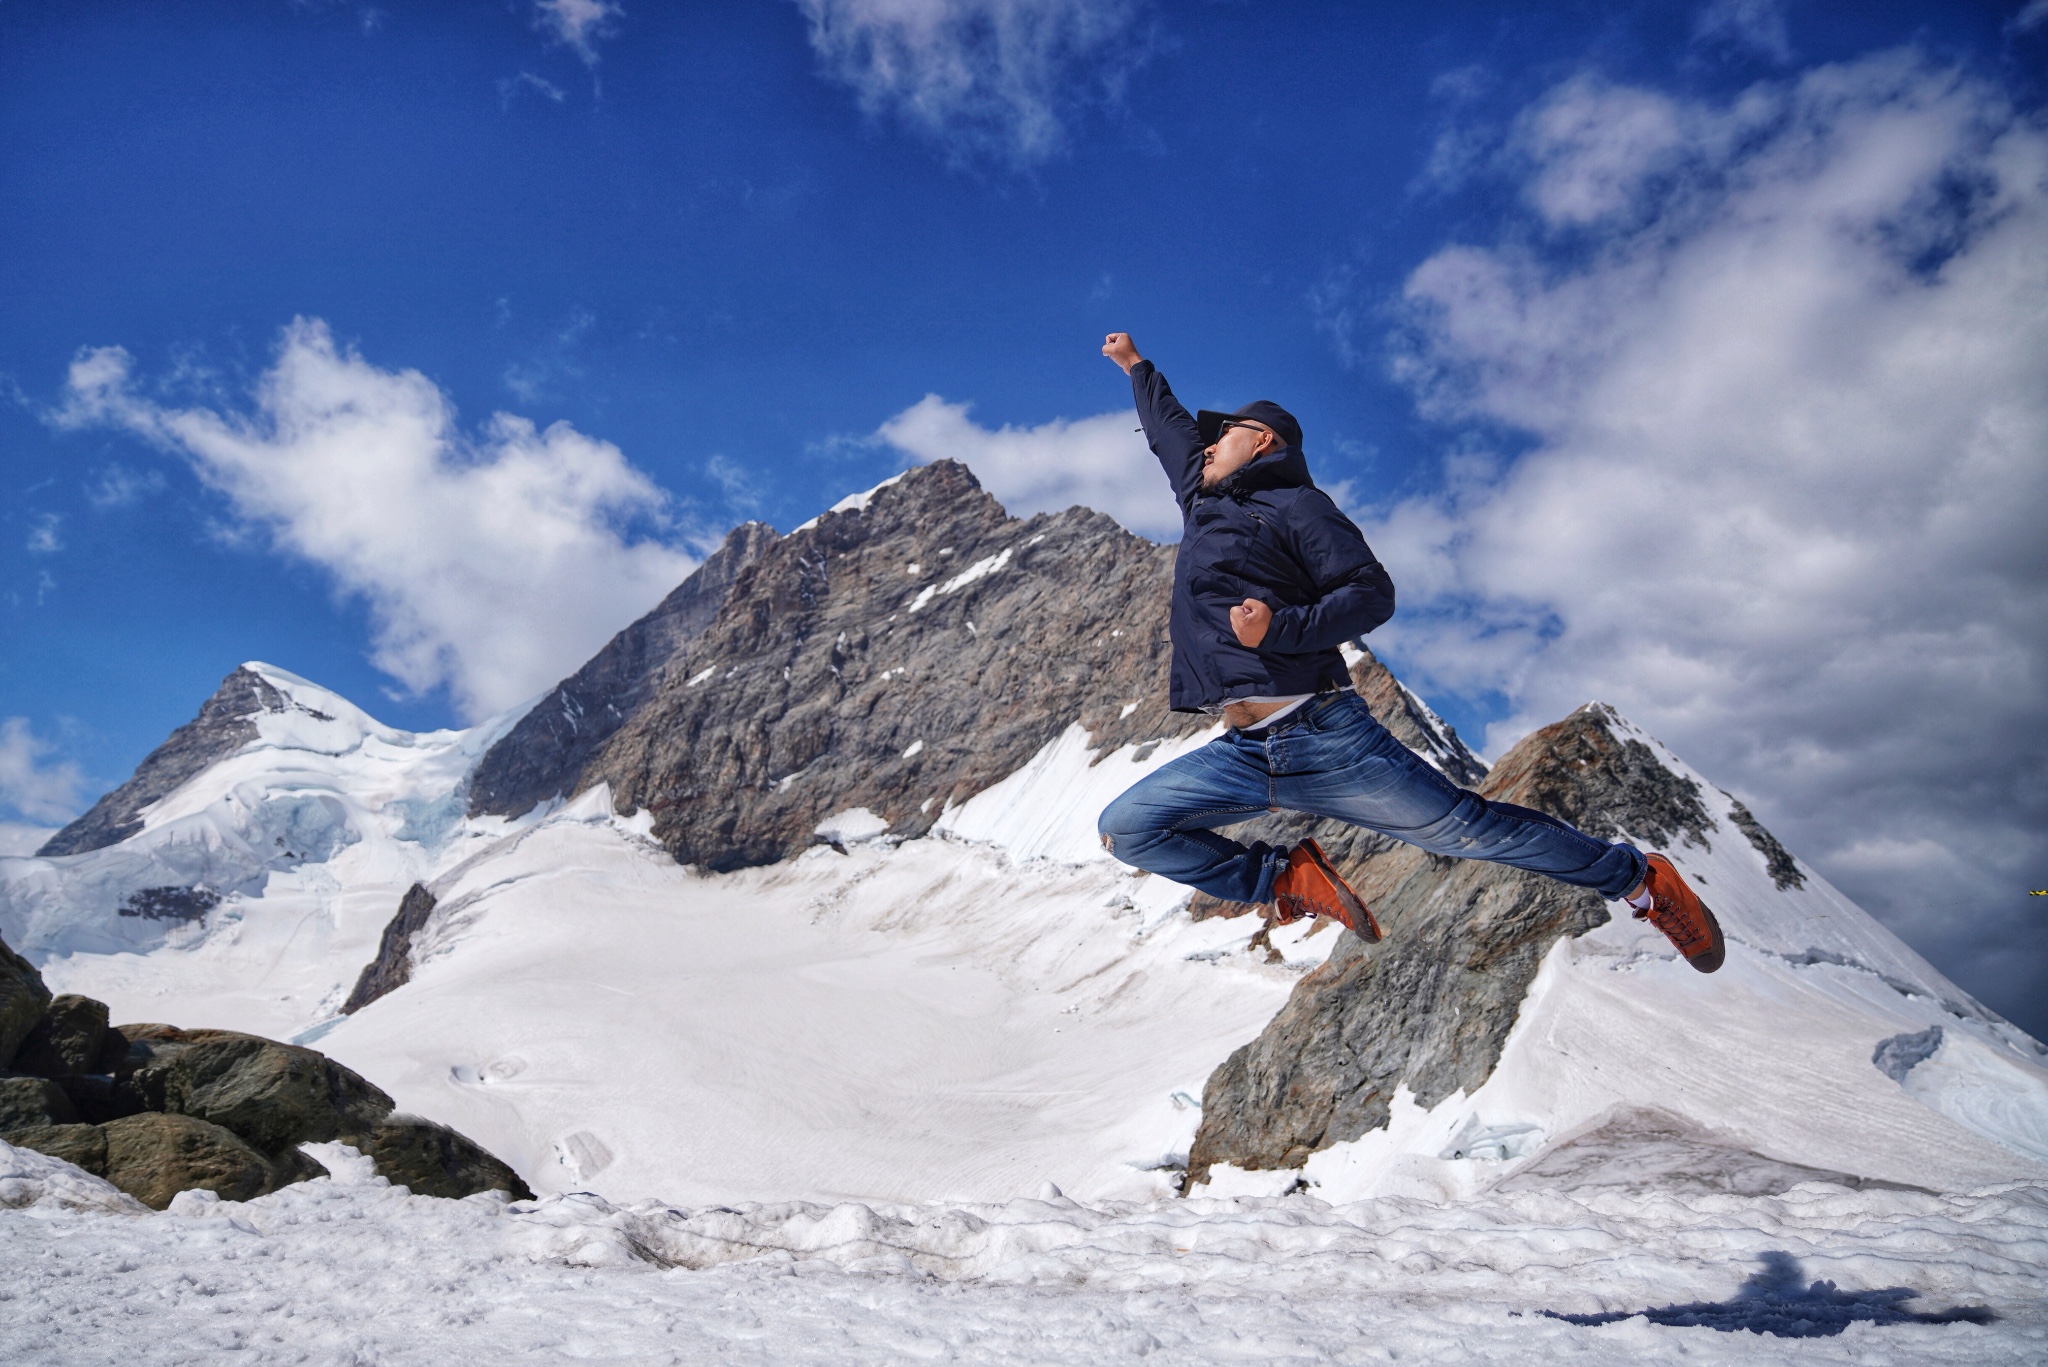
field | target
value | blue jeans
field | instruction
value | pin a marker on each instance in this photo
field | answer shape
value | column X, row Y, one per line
column 1331, row 758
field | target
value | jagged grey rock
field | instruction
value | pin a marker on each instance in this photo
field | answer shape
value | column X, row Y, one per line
column 545, row 753
column 1431, row 1006
column 433, row 1160
column 70, row 1038
column 392, row 968
column 226, row 722
column 23, row 999
column 895, row 657
column 1778, row 860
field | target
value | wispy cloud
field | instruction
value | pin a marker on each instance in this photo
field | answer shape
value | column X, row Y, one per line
column 1787, row 378
column 527, row 82
column 29, row 786
column 577, row 24
column 982, row 80
column 1097, row 462
column 1755, row 26
column 117, row 486
column 492, row 563
column 43, row 535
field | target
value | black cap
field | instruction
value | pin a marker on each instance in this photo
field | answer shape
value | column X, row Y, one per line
column 1259, row 410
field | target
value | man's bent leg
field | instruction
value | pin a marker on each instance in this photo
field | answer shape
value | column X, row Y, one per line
column 1340, row 762
column 1162, row 823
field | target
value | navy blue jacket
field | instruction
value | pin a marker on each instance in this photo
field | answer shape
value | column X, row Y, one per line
column 1265, row 532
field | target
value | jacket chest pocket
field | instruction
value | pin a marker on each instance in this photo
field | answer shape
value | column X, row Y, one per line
column 1262, row 556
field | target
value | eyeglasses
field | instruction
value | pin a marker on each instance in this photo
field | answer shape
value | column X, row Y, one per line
column 1229, row 423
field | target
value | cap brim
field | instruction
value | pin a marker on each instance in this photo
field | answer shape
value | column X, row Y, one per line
column 1210, row 424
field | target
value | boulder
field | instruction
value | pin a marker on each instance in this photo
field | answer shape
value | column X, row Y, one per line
column 275, row 1096
column 433, row 1160
column 84, row 1145
column 98, row 1098
column 23, row 999
column 28, row 1101
column 153, row 1157
column 68, row 1040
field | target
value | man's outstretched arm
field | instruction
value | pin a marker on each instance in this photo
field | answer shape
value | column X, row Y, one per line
column 1170, row 429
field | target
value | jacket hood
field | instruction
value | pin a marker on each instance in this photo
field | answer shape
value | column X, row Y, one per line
column 1286, row 468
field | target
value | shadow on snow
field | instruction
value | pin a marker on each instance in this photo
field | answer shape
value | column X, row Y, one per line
column 1776, row 1300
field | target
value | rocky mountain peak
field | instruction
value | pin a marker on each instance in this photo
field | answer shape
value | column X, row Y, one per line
column 226, row 722
column 897, row 655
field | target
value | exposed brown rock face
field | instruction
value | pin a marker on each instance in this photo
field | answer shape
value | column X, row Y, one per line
column 545, row 754
column 895, row 658
column 1431, row 1006
column 392, row 968
column 68, row 1039
column 433, row 1160
column 153, row 1157
column 226, row 722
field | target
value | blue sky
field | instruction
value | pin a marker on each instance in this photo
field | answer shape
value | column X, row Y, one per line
column 1478, row 249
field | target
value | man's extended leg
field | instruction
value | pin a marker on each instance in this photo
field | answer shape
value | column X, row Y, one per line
column 1163, row 823
column 1337, row 761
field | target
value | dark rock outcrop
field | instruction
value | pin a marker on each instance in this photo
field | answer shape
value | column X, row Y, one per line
column 392, row 968
column 275, row 1096
column 433, row 1160
column 1431, row 1006
column 895, row 657
column 1778, row 861
column 28, row 1101
column 226, row 722
column 68, row 1039
column 544, row 755
column 23, row 999
column 155, row 1109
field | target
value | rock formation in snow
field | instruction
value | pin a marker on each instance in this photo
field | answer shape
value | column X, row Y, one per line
column 157, row 1110
column 1430, row 1006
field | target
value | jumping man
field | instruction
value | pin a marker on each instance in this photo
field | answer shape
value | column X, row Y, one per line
column 1269, row 580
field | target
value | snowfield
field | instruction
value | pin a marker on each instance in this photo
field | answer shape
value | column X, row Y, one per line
column 349, row 1270
column 931, row 1099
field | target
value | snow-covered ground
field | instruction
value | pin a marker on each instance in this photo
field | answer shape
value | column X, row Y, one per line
column 811, row 1112
column 348, row 1270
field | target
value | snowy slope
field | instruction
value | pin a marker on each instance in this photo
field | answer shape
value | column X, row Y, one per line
column 963, row 1016
column 306, row 837
column 1772, row 1055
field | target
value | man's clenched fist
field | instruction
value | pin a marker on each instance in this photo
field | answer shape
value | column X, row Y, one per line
column 1117, row 346
column 1249, row 620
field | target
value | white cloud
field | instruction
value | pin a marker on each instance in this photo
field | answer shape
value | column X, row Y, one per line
column 577, row 24
column 982, row 79
column 1758, row 25
column 1789, row 396
column 1099, row 462
column 28, row 786
column 43, row 537
column 2031, row 18
column 17, row 839
column 117, row 486
column 493, row 564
